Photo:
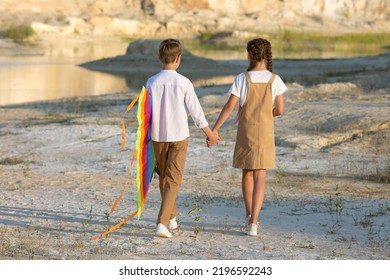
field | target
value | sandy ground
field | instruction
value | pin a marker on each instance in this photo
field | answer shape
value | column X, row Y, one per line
column 62, row 167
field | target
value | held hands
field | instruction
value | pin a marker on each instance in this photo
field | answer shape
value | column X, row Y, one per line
column 213, row 139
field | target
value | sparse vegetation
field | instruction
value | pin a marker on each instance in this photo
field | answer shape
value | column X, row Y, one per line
column 336, row 204
column 383, row 175
column 349, row 44
column 86, row 222
column 12, row 161
column 292, row 43
column 109, row 223
column 195, row 213
column 207, row 35
column 20, row 33
column 26, row 169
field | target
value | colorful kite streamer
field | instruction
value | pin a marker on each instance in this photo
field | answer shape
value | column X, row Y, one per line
column 144, row 153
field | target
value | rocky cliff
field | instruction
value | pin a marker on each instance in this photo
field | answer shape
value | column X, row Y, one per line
column 184, row 18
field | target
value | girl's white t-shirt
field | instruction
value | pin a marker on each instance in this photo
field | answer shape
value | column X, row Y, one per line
column 239, row 87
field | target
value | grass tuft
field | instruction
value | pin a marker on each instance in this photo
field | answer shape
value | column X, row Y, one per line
column 12, row 161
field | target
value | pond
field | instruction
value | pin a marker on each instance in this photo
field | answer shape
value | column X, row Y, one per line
column 56, row 74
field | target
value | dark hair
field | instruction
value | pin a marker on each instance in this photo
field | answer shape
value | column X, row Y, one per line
column 169, row 50
column 258, row 50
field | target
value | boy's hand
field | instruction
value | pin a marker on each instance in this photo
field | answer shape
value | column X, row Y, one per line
column 213, row 139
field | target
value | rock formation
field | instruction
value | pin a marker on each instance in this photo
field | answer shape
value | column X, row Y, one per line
column 184, row 18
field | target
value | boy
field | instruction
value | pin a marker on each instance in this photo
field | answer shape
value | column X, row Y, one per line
column 173, row 97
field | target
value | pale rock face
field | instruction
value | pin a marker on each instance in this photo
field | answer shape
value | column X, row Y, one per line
column 226, row 7
column 347, row 9
column 189, row 18
column 124, row 27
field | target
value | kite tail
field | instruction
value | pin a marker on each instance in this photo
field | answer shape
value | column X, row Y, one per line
column 123, row 145
column 144, row 154
column 124, row 221
column 125, row 185
column 123, row 119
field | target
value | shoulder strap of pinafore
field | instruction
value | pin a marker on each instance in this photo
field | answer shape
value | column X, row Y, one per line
column 248, row 78
column 271, row 80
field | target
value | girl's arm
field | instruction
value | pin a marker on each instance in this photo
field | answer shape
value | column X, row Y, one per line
column 226, row 111
column 279, row 106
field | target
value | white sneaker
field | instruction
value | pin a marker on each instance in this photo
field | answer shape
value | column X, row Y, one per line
column 173, row 224
column 162, row 231
column 251, row 230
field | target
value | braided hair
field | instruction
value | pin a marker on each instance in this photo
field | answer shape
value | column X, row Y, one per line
column 258, row 50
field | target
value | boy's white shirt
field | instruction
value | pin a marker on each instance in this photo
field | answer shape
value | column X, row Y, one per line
column 239, row 87
column 173, row 98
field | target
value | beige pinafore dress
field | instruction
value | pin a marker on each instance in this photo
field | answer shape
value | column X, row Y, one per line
column 255, row 143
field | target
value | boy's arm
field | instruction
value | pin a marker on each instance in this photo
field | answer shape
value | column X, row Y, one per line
column 194, row 108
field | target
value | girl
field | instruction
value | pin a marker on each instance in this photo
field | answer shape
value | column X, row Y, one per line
column 260, row 93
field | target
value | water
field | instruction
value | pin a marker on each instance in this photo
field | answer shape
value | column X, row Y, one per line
column 56, row 74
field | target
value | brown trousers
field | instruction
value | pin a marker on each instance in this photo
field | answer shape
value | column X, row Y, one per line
column 170, row 158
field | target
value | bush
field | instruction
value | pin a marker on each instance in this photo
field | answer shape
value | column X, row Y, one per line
column 19, row 33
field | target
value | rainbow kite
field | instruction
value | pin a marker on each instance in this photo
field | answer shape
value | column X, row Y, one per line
column 144, row 153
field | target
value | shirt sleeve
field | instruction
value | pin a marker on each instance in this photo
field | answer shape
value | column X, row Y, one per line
column 280, row 86
column 194, row 108
column 237, row 86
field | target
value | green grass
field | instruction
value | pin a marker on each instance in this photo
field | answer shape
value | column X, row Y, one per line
column 207, row 35
column 293, row 44
column 19, row 33
column 383, row 175
column 304, row 37
column 12, row 161
column 289, row 42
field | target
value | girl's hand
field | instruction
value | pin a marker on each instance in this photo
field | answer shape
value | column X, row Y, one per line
column 213, row 139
